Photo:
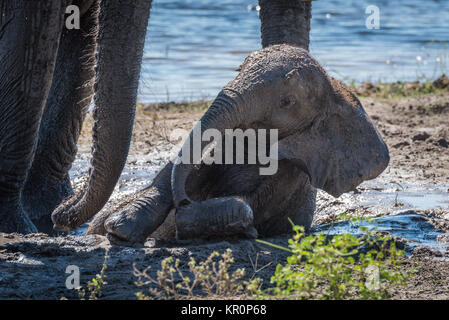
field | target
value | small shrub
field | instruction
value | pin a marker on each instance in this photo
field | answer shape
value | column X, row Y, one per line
column 398, row 90
column 320, row 267
column 95, row 286
column 210, row 277
column 337, row 267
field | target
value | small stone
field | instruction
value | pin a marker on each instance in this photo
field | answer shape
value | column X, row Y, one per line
column 401, row 144
column 421, row 136
column 443, row 143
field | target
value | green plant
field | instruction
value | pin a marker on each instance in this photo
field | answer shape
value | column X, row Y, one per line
column 210, row 277
column 95, row 286
column 337, row 267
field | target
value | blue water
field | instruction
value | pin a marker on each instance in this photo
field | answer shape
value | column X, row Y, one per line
column 408, row 225
column 194, row 46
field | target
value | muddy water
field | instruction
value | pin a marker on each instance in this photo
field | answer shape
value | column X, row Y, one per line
column 408, row 225
column 399, row 205
column 387, row 194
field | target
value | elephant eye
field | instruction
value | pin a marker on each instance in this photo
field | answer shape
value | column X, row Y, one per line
column 287, row 101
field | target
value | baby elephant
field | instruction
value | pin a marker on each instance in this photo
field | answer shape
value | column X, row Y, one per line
column 325, row 140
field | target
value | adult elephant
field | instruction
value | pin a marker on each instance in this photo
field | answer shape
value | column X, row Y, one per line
column 326, row 141
column 48, row 75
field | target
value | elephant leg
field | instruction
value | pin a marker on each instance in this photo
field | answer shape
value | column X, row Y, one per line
column 29, row 39
column 48, row 182
column 224, row 217
column 139, row 219
column 121, row 40
column 244, row 204
column 286, row 195
column 218, row 208
column 96, row 225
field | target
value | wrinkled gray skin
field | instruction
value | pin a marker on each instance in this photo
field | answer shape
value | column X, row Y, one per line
column 324, row 134
column 47, row 79
column 326, row 141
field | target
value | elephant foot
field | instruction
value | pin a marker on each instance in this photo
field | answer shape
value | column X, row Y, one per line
column 215, row 218
column 133, row 224
column 14, row 219
column 39, row 199
column 96, row 226
column 113, row 240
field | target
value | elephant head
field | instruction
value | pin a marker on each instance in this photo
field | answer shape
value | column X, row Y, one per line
column 322, row 126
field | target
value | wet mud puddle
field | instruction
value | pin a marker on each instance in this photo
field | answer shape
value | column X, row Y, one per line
column 405, row 196
column 397, row 205
column 410, row 226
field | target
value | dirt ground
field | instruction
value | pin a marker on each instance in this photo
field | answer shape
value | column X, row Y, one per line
column 34, row 267
column 417, row 133
column 415, row 127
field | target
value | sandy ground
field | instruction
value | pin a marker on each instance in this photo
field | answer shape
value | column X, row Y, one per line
column 415, row 128
column 417, row 133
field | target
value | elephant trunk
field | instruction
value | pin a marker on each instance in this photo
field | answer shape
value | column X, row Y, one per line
column 285, row 21
column 85, row 6
column 121, row 39
column 226, row 112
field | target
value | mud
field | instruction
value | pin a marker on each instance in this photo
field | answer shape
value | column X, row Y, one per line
column 33, row 267
column 410, row 200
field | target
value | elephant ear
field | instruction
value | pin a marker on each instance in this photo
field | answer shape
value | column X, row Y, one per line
column 300, row 148
column 339, row 151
